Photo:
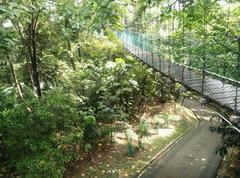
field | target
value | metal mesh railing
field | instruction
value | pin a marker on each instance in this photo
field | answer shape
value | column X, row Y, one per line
column 221, row 89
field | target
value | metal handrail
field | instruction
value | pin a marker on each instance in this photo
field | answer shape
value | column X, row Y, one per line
column 204, row 75
column 230, row 80
column 226, row 120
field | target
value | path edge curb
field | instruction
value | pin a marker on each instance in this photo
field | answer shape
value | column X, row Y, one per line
column 161, row 152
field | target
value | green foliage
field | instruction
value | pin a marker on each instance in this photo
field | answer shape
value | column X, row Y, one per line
column 4, row 74
column 100, row 47
column 165, row 88
column 165, row 117
column 157, row 124
column 40, row 135
column 49, row 70
column 87, row 147
column 90, row 133
column 7, row 97
column 231, row 138
column 142, row 131
column 89, row 120
column 195, row 33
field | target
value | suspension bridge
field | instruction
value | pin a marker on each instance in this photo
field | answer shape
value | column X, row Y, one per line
column 194, row 155
column 212, row 86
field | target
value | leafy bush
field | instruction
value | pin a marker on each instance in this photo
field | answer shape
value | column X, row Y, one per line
column 124, row 90
column 7, row 97
column 157, row 124
column 49, row 70
column 100, row 47
column 4, row 73
column 40, row 135
column 90, row 134
column 108, row 86
column 166, row 119
column 231, row 138
column 142, row 131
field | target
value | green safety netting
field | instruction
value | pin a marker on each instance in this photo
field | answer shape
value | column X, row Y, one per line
column 214, row 79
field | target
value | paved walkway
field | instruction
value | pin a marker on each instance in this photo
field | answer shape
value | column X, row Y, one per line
column 194, row 155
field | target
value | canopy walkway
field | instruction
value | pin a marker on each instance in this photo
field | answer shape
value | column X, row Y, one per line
column 221, row 89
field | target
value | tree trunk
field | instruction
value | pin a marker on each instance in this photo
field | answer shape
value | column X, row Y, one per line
column 79, row 50
column 30, row 72
column 26, row 44
column 34, row 63
column 70, row 54
column 33, row 53
column 18, row 87
column 29, row 68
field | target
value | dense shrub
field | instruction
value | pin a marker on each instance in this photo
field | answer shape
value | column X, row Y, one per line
column 230, row 137
column 49, row 70
column 40, row 135
column 142, row 131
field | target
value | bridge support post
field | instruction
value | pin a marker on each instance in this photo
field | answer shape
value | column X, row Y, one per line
column 138, row 45
column 152, row 64
column 238, row 75
column 238, row 58
column 141, row 46
column 132, row 50
column 183, row 68
column 135, row 44
column 236, row 100
column 159, row 52
column 203, row 81
column 169, row 62
column 146, row 50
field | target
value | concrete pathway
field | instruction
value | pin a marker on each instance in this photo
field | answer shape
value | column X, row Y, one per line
column 194, row 155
